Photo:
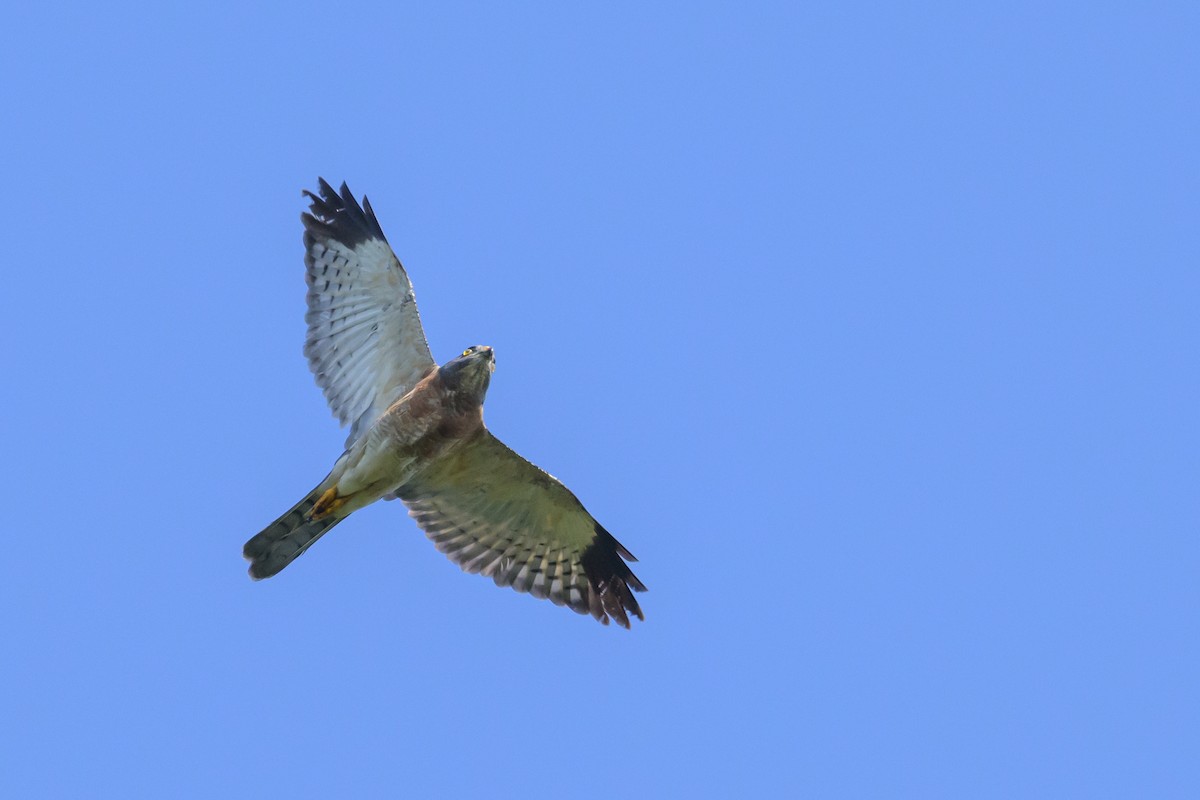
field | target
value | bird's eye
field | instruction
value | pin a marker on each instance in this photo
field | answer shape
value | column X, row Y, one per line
column 466, row 352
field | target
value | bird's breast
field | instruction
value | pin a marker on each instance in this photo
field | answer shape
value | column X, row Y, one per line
column 428, row 422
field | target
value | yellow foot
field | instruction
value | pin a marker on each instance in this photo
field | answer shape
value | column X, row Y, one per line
column 327, row 504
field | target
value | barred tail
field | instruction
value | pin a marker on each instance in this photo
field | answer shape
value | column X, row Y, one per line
column 286, row 538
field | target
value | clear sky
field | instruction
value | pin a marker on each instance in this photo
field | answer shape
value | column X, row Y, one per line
column 870, row 329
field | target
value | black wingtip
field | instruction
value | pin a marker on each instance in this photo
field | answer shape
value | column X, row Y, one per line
column 338, row 216
column 611, row 580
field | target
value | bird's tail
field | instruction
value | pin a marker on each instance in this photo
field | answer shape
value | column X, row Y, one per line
column 286, row 538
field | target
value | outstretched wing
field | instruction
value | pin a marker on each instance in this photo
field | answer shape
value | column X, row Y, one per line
column 365, row 343
column 494, row 513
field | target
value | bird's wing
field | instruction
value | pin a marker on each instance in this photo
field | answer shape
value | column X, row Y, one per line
column 365, row 343
column 494, row 513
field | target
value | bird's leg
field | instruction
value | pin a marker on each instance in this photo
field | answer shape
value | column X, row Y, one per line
column 327, row 504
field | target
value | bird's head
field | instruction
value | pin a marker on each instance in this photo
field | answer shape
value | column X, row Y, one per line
column 470, row 373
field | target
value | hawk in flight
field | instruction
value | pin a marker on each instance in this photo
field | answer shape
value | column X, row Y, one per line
column 417, row 434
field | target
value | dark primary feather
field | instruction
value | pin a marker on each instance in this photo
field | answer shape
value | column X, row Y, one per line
column 340, row 217
column 612, row 577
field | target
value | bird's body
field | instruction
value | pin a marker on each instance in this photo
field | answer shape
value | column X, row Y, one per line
column 413, row 434
column 418, row 434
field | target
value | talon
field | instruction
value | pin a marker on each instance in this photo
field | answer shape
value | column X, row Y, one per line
column 326, row 504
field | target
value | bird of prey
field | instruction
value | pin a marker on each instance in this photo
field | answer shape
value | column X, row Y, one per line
column 417, row 434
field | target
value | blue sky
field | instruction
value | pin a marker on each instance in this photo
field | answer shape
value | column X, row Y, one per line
column 870, row 329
